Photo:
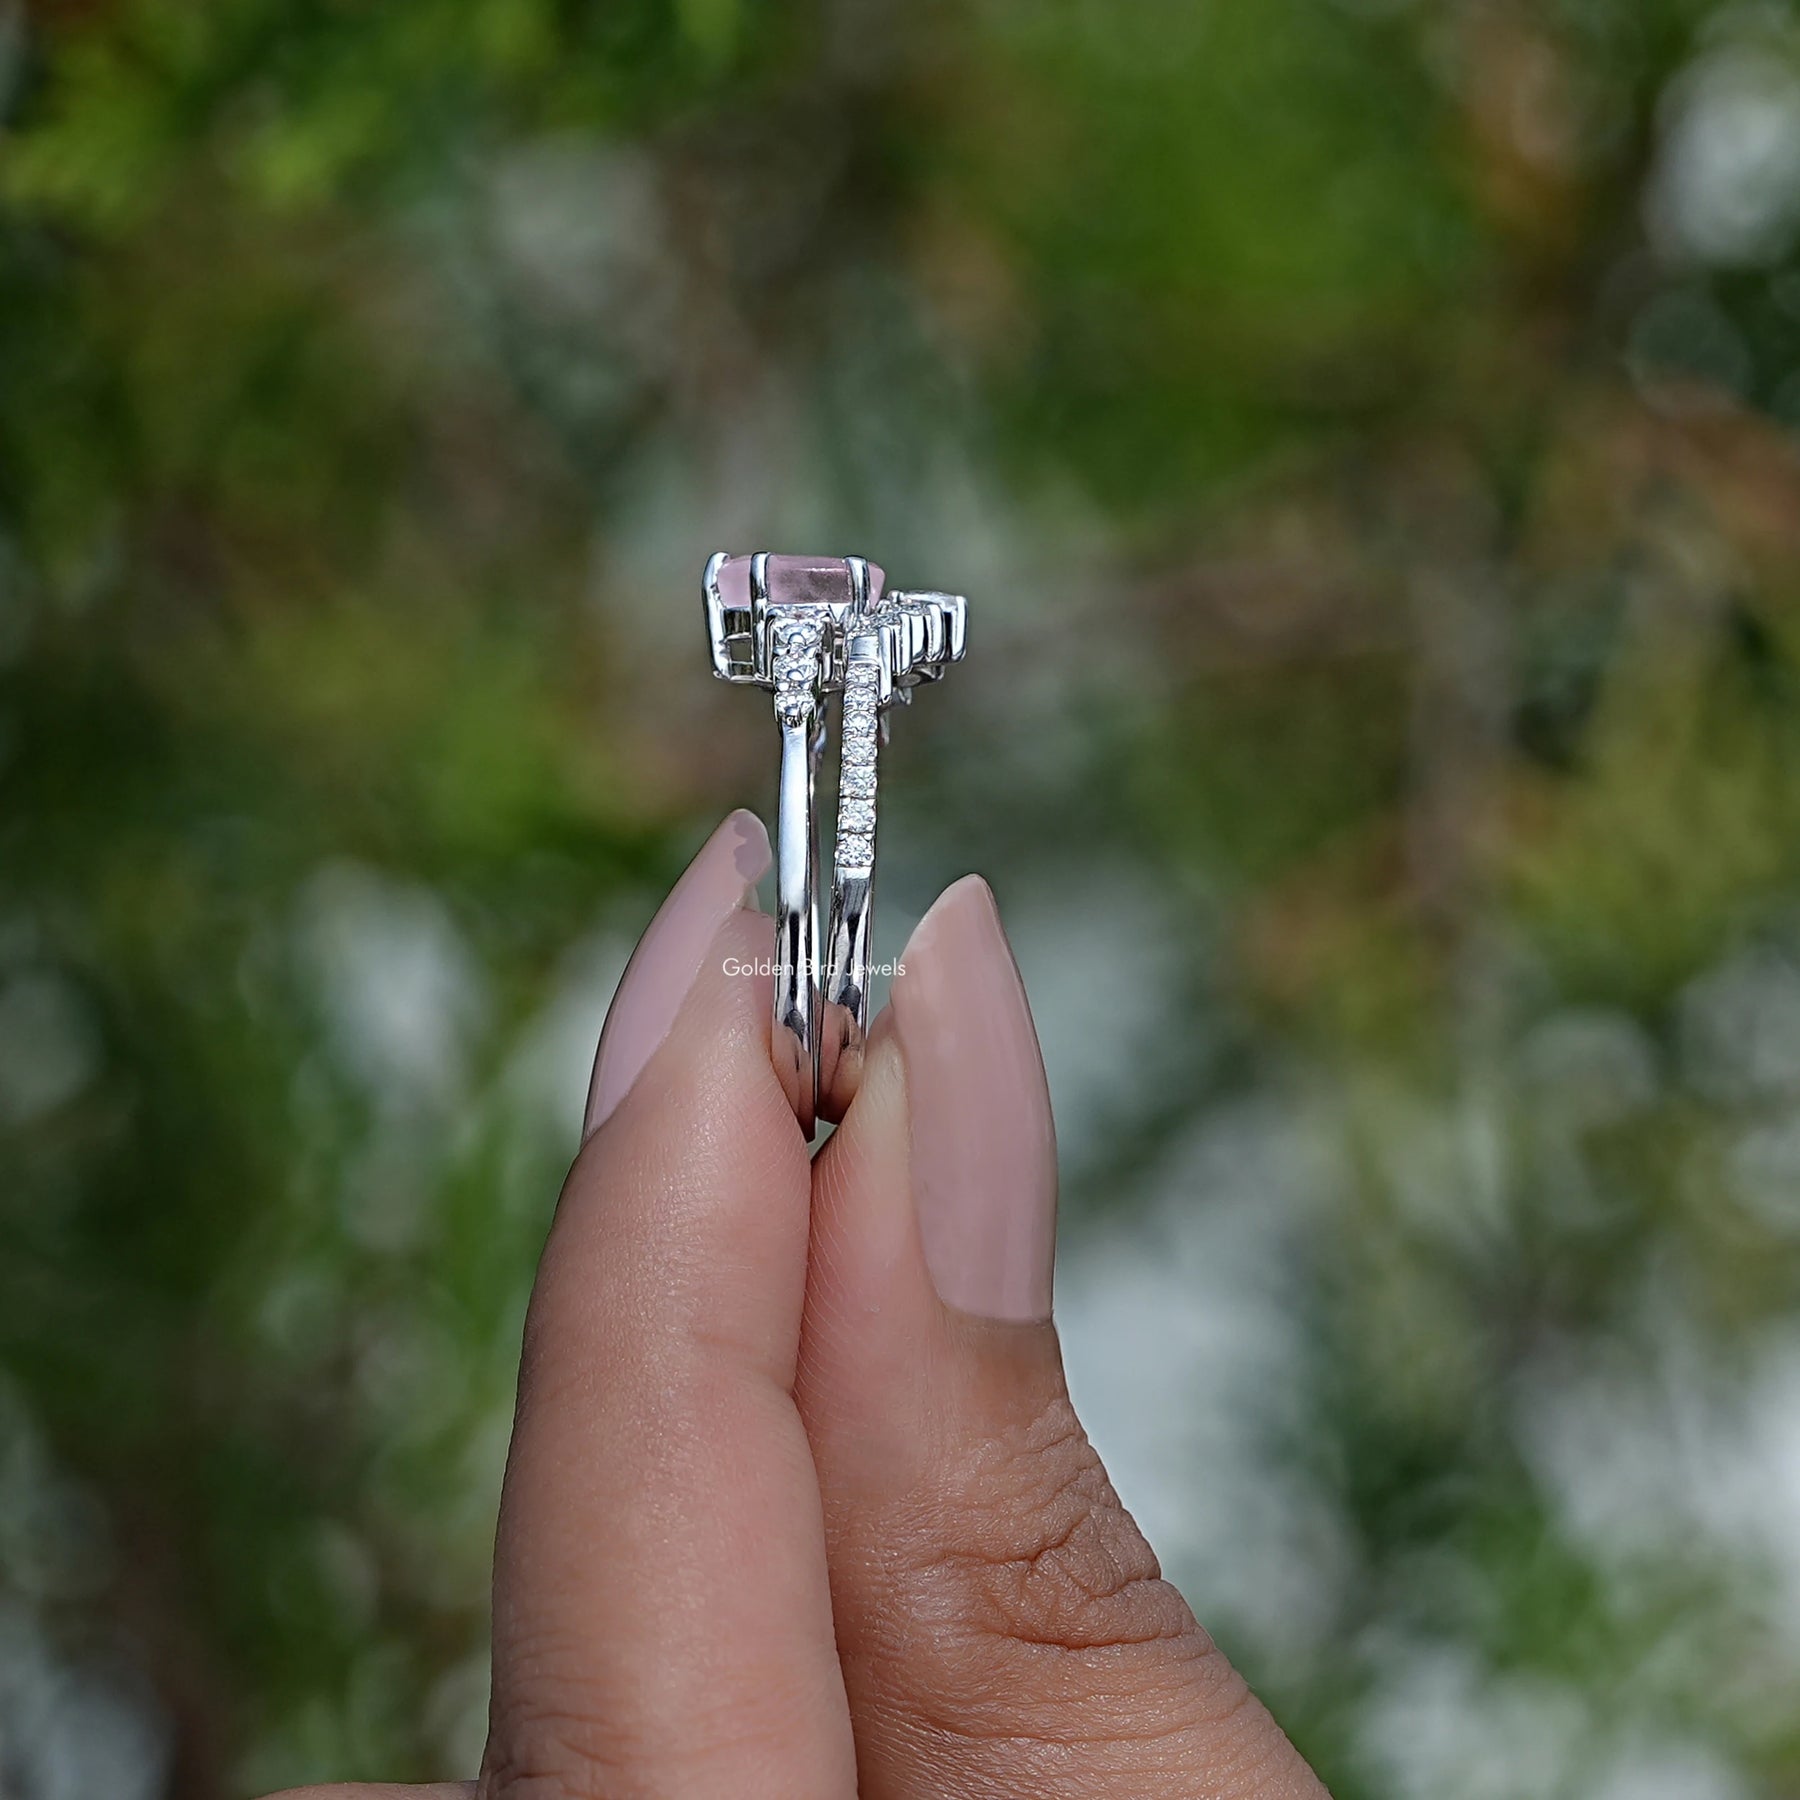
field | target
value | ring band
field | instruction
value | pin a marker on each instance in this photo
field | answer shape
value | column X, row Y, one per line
column 909, row 639
column 794, row 645
column 843, row 1026
column 793, row 1038
column 806, row 627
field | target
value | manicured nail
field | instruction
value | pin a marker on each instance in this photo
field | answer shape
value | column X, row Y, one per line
column 983, row 1142
column 669, row 955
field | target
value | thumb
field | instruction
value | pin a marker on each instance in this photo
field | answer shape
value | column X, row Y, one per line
column 1002, row 1624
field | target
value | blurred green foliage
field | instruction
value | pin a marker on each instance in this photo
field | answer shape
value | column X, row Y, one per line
column 1365, row 428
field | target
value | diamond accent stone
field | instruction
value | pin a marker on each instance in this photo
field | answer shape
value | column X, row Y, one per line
column 859, row 782
column 859, row 751
column 856, row 816
column 855, row 850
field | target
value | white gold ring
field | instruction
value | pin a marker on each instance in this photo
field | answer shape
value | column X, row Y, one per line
column 806, row 627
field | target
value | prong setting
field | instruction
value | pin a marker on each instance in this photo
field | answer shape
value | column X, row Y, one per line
column 752, row 604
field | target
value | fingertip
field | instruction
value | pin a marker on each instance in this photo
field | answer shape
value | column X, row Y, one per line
column 719, row 881
column 751, row 849
column 982, row 1136
column 708, row 1089
column 965, row 892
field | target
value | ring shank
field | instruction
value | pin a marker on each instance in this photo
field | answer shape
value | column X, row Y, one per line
column 843, row 1026
column 793, row 1039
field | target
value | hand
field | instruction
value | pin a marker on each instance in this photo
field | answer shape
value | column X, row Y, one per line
column 797, row 1507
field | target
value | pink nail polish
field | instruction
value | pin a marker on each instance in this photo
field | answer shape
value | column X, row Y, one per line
column 982, row 1139
column 669, row 955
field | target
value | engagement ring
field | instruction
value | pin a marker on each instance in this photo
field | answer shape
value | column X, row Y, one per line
column 807, row 627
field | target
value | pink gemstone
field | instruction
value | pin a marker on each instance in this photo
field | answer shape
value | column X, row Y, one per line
column 795, row 581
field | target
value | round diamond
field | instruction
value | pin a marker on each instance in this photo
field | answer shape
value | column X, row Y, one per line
column 855, row 850
column 859, row 783
column 856, row 815
column 859, row 752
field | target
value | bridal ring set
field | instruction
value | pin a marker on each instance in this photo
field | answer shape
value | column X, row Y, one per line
column 807, row 627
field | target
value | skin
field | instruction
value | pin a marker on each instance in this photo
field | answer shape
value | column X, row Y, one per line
column 781, row 1524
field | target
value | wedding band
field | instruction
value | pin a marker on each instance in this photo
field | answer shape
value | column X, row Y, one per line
column 844, row 1020
column 908, row 639
column 805, row 627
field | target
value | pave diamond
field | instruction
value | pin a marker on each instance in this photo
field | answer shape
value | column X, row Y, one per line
column 859, row 751
column 859, row 782
column 855, row 850
column 856, row 815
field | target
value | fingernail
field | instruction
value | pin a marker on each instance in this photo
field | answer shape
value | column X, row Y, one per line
column 669, row 955
column 982, row 1139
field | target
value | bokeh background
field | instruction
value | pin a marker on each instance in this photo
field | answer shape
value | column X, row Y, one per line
column 1366, row 429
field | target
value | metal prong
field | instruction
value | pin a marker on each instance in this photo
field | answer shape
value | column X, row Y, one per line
column 868, row 646
column 937, row 634
column 729, row 639
column 859, row 584
column 956, row 623
column 714, row 602
column 761, row 625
